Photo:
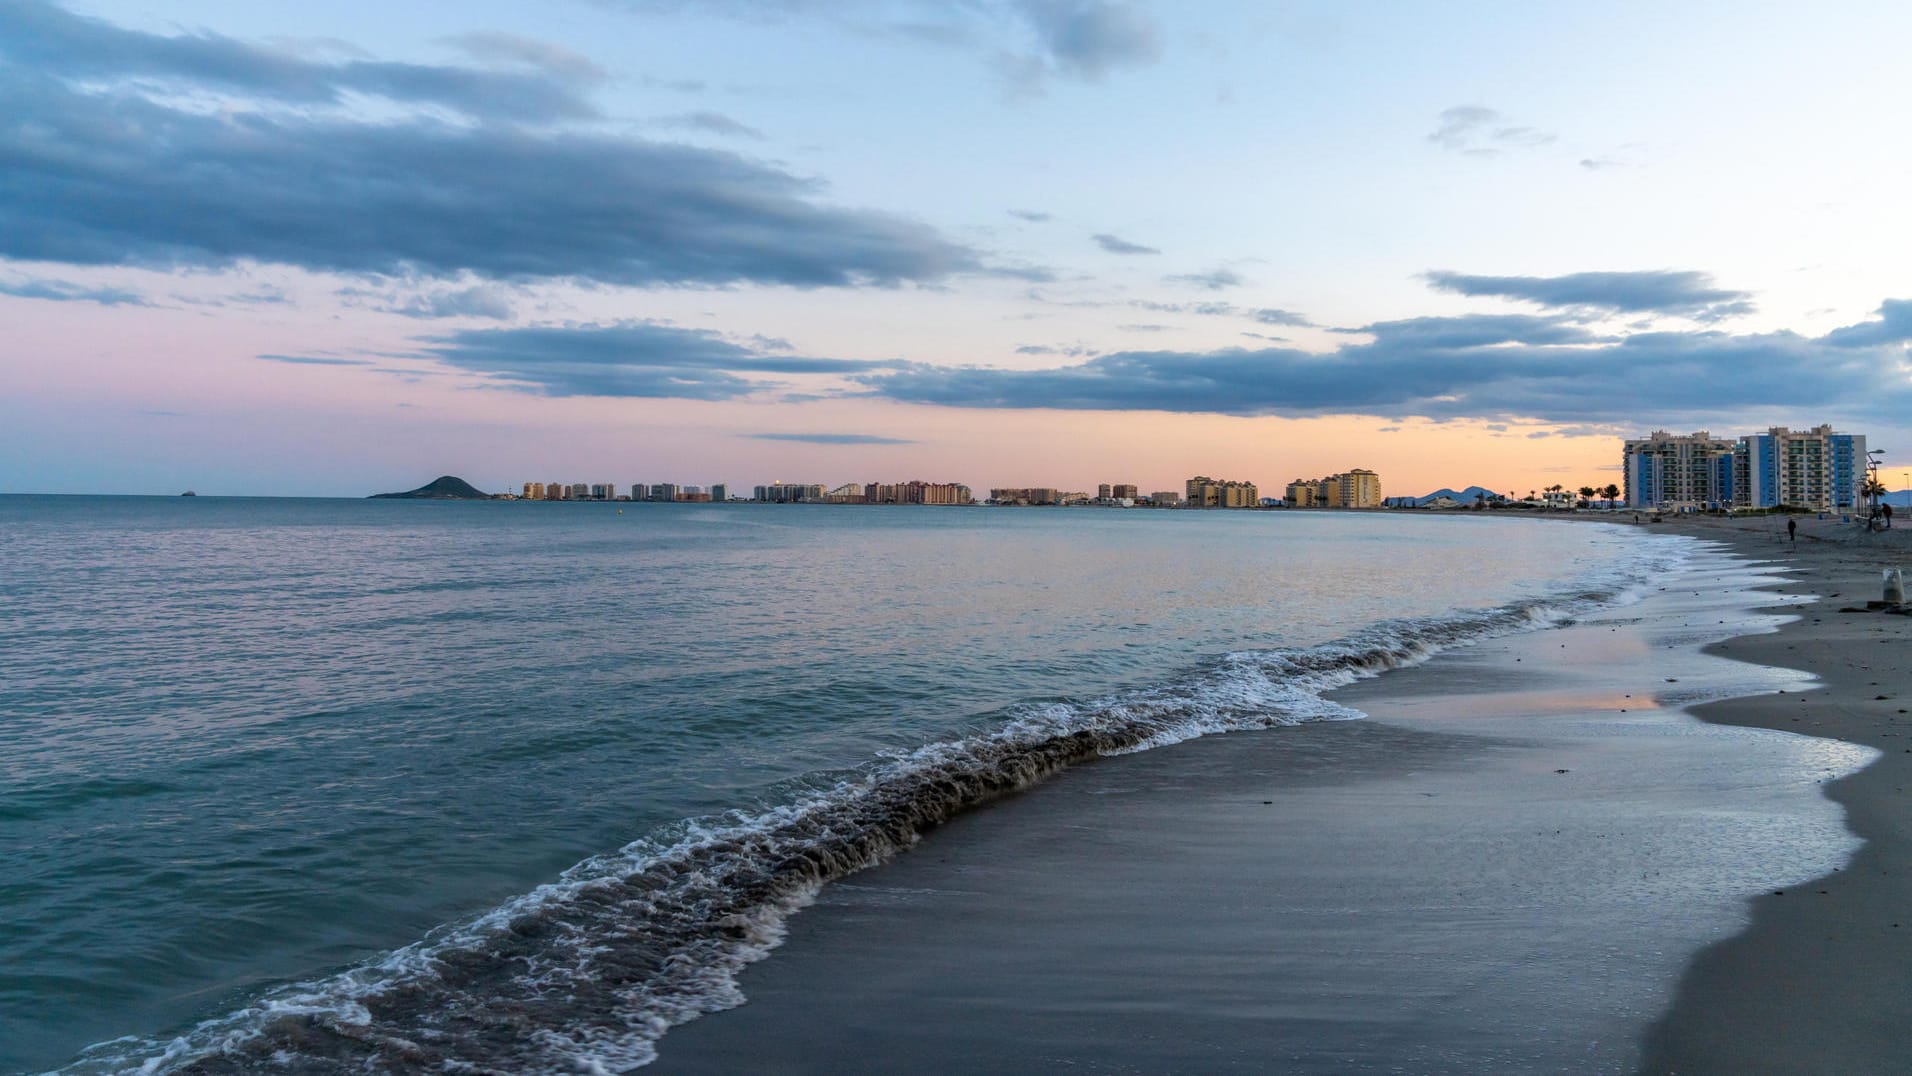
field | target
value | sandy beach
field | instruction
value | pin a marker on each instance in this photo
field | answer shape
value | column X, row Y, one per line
column 1822, row 979
column 1510, row 866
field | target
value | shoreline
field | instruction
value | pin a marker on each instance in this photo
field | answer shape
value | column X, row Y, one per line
column 1821, row 978
column 1432, row 879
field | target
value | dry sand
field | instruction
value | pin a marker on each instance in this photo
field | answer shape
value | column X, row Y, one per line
column 1821, row 981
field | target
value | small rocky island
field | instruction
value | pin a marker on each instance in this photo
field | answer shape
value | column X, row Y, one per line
column 443, row 488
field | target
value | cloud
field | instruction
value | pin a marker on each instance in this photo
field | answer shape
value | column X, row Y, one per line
column 105, row 166
column 1031, row 215
column 712, row 123
column 1027, row 40
column 1074, row 351
column 41, row 36
column 1893, row 326
column 1502, row 367
column 1483, row 132
column 630, row 358
column 1089, row 38
column 514, row 49
column 1213, row 280
column 1273, row 316
column 478, row 301
column 1686, row 293
column 1117, row 245
column 312, row 360
column 832, row 438
column 65, row 291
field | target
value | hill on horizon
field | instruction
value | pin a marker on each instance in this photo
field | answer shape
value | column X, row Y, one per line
column 442, row 488
column 1463, row 496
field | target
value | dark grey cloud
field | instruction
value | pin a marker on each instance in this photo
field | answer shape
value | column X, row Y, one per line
column 633, row 358
column 1892, row 326
column 832, row 438
column 1213, row 280
column 712, row 123
column 1687, row 293
column 1545, row 368
column 1115, row 244
column 101, row 167
column 42, row 36
column 65, row 291
column 1483, row 132
column 1274, row 316
column 1031, row 215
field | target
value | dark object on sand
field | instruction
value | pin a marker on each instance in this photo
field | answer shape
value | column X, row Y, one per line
column 445, row 488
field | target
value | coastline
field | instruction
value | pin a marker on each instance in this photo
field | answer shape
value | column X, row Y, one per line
column 1495, row 870
column 1821, row 979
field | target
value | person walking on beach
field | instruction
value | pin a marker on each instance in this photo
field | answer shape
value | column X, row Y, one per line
column 1792, row 530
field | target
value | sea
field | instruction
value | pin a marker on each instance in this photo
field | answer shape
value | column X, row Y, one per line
column 341, row 785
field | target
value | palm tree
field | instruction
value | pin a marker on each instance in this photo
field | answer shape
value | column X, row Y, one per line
column 1587, row 493
column 1612, row 491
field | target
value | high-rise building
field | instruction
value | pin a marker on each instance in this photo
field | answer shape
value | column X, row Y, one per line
column 663, row 491
column 534, row 491
column 1206, row 492
column 784, row 493
column 719, row 493
column 1814, row 468
column 1165, row 499
column 1025, row 495
column 579, row 491
column 917, row 492
column 1679, row 471
column 1124, row 492
column 1303, row 493
column 1359, row 488
column 1104, row 492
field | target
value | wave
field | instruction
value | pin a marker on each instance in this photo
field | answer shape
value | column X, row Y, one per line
column 588, row 972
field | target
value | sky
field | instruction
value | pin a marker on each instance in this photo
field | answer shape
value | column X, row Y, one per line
column 336, row 249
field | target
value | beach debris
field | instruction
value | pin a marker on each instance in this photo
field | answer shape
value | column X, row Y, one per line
column 1563, row 771
column 1894, row 587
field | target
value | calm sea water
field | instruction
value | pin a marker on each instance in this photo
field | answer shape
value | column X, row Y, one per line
column 349, row 782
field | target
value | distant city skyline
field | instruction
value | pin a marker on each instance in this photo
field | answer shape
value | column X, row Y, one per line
column 1008, row 241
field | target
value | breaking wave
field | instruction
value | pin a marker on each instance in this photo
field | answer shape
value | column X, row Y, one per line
column 588, row 972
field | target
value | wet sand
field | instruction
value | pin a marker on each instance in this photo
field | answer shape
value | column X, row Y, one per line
column 1822, row 980
column 1509, row 866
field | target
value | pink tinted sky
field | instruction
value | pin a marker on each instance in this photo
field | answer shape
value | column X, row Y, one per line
column 1041, row 242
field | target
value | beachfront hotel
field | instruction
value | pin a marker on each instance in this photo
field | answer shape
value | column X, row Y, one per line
column 1206, row 492
column 1817, row 468
column 1359, row 488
